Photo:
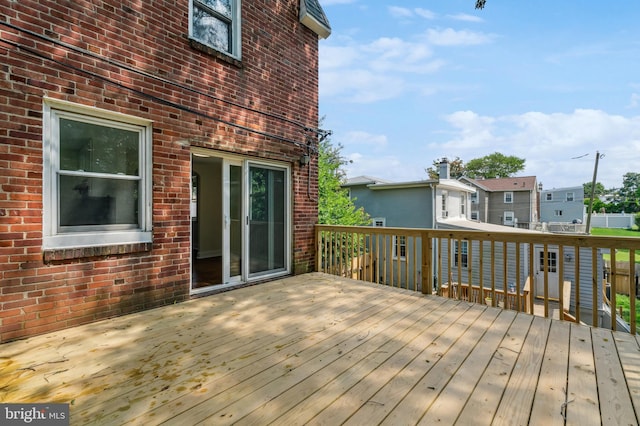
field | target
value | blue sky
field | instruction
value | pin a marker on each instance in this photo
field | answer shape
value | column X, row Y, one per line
column 403, row 84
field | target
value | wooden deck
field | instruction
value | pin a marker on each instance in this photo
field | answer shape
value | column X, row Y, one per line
column 319, row 349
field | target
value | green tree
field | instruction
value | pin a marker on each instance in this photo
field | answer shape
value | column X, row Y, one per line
column 334, row 205
column 494, row 165
column 630, row 186
column 456, row 169
column 600, row 190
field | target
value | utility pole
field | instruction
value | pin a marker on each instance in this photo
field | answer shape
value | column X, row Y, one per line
column 593, row 190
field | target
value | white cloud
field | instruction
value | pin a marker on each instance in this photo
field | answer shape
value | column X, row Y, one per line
column 400, row 12
column 333, row 2
column 359, row 137
column 425, row 13
column 634, row 102
column 466, row 18
column 451, row 37
column 374, row 71
column 549, row 142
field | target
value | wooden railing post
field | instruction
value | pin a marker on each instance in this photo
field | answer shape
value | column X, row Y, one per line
column 427, row 264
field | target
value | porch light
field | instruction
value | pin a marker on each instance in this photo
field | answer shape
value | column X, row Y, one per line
column 305, row 159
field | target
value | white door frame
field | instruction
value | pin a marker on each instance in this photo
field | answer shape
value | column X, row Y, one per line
column 552, row 272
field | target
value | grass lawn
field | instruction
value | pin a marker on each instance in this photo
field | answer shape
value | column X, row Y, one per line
column 622, row 300
column 623, row 254
column 614, row 232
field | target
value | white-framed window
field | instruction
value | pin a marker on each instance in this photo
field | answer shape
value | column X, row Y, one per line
column 474, row 198
column 508, row 197
column 461, row 252
column 557, row 213
column 445, row 212
column 549, row 196
column 463, row 204
column 96, row 177
column 508, row 218
column 378, row 222
column 400, row 246
column 475, row 215
column 216, row 24
column 569, row 196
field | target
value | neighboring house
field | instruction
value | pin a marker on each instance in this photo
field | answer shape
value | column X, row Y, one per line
column 562, row 205
column 152, row 152
column 419, row 204
column 444, row 204
column 505, row 201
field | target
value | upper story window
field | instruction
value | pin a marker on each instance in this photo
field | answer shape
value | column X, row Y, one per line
column 509, row 217
column 474, row 198
column 216, row 24
column 475, row 215
column 569, row 196
column 378, row 222
column 508, row 197
column 463, row 204
column 445, row 212
column 549, row 196
column 97, row 177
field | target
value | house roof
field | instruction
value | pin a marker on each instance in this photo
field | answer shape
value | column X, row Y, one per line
column 479, row 226
column 312, row 16
column 525, row 183
column 364, row 180
column 455, row 185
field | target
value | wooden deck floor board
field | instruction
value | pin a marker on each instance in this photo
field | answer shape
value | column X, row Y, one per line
column 483, row 403
column 452, row 399
column 615, row 402
column 582, row 391
column 517, row 400
column 551, row 395
column 319, row 349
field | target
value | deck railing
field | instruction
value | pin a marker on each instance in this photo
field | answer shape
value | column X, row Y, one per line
column 513, row 270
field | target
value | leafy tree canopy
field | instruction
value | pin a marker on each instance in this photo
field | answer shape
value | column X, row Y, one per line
column 630, row 186
column 600, row 190
column 334, row 205
column 494, row 165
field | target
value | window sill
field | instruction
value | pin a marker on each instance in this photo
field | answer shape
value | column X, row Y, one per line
column 53, row 255
column 215, row 53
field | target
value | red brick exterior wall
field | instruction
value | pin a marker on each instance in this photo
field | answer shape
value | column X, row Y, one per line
column 42, row 292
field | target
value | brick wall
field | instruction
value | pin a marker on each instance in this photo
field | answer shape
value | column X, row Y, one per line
column 74, row 51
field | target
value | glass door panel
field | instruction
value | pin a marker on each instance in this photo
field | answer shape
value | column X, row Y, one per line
column 267, row 219
column 235, row 225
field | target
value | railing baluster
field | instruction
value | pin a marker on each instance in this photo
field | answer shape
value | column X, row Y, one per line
column 595, row 278
column 561, row 281
column 577, row 278
column 632, row 290
column 612, row 277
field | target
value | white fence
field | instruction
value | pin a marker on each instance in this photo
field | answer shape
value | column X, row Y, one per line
column 613, row 220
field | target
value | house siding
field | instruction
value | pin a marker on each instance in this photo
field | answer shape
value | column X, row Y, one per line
column 72, row 51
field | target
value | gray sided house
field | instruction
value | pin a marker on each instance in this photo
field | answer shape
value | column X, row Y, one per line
column 562, row 205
